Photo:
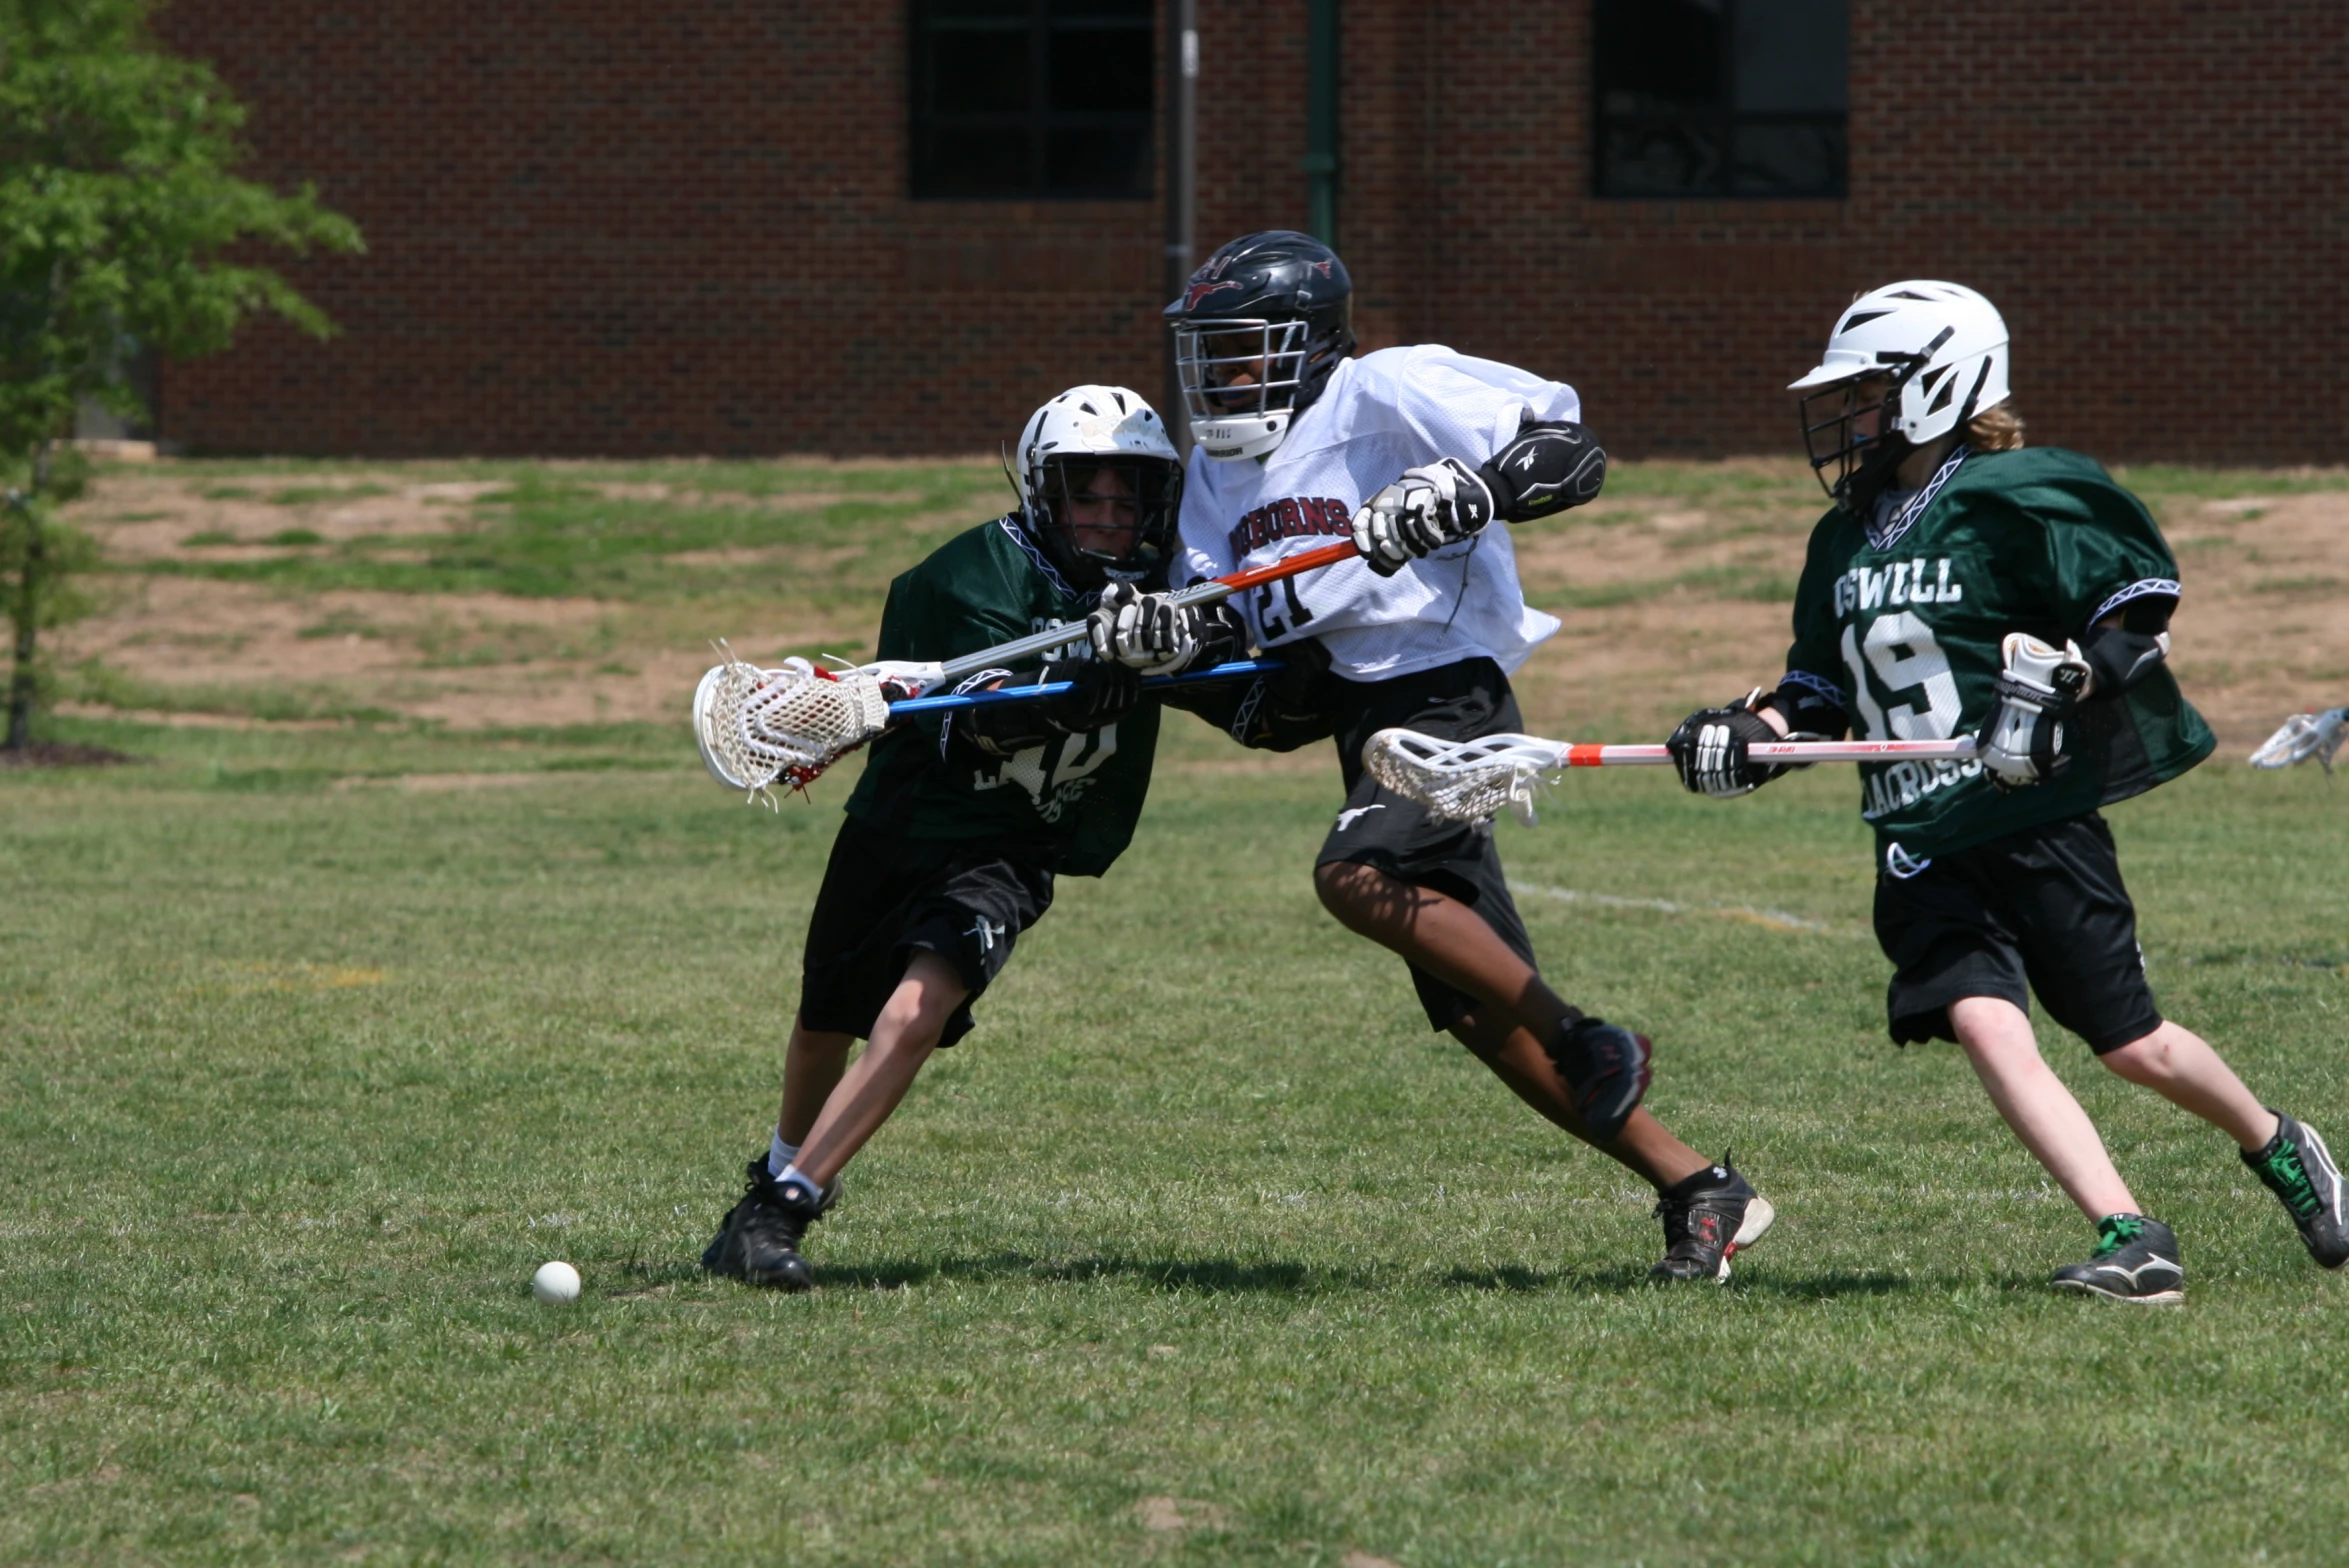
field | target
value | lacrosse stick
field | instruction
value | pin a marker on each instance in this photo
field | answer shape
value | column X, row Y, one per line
column 979, row 699
column 2305, row 735
column 1470, row 780
column 757, row 727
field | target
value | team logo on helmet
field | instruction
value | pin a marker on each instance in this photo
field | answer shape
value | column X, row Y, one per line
column 1199, row 291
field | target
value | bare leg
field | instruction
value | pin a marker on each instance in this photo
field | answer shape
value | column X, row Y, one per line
column 2179, row 1065
column 1997, row 1039
column 1518, row 1060
column 1442, row 936
column 812, row 1065
column 903, row 1037
column 1517, row 1010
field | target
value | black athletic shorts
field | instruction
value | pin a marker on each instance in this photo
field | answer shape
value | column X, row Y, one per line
column 885, row 895
column 2038, row 911
column 1377, row 828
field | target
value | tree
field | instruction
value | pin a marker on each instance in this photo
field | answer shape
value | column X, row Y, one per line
column 118, row 209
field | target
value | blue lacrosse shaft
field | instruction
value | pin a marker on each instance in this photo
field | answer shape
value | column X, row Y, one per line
column 1236, row 670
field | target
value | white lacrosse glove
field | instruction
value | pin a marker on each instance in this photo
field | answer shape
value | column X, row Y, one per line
column 2021, row 741
column 1148, row 632
column 1420, row 513
column 2305, row 735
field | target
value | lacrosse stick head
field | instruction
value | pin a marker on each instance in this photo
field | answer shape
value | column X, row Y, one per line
column 759, row 727
column 2302, row 736
column 1464, row 780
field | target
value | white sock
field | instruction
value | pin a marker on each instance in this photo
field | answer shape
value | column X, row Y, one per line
column 780, row 1155
column 792, row 1173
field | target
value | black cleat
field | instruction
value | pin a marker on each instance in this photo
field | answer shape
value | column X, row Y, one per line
column 758, row 1240
column 2298, row 1168
column 1708, row 1219
column 1606, row 1073
column 2136, row 1259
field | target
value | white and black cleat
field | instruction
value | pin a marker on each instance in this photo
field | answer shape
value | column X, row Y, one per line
column 2136, row 1259
column 1708, row 1219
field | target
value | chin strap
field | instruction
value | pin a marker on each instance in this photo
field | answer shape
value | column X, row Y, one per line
column 1875, row 474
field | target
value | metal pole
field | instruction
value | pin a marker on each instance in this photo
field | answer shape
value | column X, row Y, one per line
column 1182, row 185
column 1321, row 120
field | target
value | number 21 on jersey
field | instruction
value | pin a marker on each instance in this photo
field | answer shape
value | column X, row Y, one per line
column 1279, row 611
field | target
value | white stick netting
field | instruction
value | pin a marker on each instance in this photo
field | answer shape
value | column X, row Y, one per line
column 1463, row 780
column 2305, row 735
column 758, row 727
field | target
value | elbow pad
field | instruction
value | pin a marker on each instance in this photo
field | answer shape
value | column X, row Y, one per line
column 2118, row 658
column 1545, row 470
column 1809, row 705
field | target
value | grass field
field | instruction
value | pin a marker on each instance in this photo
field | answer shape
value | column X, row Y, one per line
column 316, row 1038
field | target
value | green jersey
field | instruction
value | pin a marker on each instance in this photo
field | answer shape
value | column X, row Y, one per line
column 1902, row 620
column 1075, row 799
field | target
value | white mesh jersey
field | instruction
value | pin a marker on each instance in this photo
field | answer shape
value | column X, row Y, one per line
column 1378, row 415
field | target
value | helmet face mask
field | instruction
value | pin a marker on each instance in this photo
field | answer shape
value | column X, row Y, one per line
column 1856, row 433
column 1106, row 519
column 1906, row 365
column 1258, row 331
column 1100, row 487
column 1232, row 367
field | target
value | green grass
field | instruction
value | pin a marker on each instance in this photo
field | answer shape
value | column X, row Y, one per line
column 307, row 1059
column 548, row 534
column 299, row 1082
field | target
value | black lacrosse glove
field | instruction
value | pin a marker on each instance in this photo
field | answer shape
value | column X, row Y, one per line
column 1104, row 694
column 1710, row 748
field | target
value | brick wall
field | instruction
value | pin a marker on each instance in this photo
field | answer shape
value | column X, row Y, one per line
column 606, row 228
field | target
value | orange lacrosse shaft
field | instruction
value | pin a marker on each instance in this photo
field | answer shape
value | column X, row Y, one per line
column 1290, row 566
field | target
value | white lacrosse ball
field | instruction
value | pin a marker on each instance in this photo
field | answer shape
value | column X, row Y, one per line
column 555, row 1283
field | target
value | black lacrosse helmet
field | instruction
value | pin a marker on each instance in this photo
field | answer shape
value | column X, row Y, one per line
column 1260, row 327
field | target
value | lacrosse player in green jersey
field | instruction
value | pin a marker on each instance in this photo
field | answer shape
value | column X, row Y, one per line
column 1963, row 583
column 960, row 824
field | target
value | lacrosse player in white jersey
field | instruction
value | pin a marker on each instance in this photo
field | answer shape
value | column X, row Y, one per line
column 1411, row 451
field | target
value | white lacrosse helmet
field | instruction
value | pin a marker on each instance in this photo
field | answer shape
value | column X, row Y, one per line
column 1077, row 436
column 1940, row 350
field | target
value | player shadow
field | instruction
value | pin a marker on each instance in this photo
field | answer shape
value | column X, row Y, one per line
column 1627, row 1278
column 1227, row 1277
column 1209, row 1276
column 649, row 1277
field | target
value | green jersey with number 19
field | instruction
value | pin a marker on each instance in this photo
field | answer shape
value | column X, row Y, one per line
column 1902, row 622
column 1075, row 799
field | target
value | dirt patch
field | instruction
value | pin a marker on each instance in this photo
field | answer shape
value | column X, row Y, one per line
column 445, row 783
column 56, row 754
column 1667, row 600
column 1164, row 1514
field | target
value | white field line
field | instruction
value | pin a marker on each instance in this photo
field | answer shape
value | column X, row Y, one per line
column 1768, row 919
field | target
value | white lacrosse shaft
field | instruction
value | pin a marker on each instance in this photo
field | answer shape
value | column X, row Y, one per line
column 755, row 727
column 1470, row 780
column 1213, row 591
column 1794, row 753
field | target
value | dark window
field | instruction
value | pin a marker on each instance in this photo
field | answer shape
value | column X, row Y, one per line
column 1032, row 97
column 1720, row 97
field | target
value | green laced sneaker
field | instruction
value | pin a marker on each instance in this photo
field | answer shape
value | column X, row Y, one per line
column 2298, row 1168
column 2136, row 1259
